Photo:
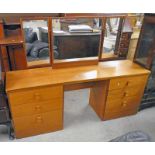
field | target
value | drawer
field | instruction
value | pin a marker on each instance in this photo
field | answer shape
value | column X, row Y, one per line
column 127, row 82
column 36, row 108
column 37, row 124
column 123, row 104
column 35, row 95
column 122, row 113
column 125, row 92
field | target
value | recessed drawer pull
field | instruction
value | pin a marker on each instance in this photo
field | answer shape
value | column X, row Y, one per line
column 128, row 83
column 39, row 119
column 37, row 96
column 126, row 94
column 38, row 108
column 118, row 84
column 124, row 103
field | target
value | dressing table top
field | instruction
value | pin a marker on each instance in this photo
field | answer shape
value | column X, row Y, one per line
column 47, row 76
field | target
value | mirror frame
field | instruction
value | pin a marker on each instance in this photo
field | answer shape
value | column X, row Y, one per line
column 38, row 64
column 120, row 28
column 75, row 61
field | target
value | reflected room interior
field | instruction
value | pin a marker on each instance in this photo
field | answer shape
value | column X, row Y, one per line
column 146, row 45
column 110, row 37
column 36, row 41
column 76, row 38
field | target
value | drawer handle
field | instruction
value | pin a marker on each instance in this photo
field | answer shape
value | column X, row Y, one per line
column 37, row 96
column 39, row 119
column 127, row 83
column 38, row 108
column 126, row 94
column 118, row 84
column 124, row 103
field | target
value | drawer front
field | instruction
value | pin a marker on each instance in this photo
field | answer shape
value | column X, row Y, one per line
column 36, row 108
column 37, row 124
column 127, row 82
column 111, row 115
column 123, row 104
column 125, row 92
column 35, row 95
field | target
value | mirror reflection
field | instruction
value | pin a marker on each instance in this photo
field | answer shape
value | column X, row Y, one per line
column 36, row 40
column 76, row 38
column 110, row 37
column 146, row 44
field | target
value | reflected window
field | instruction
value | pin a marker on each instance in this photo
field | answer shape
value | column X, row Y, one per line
column 36, row 40
column 110, row 37
column 76, row 38
column 136, row 20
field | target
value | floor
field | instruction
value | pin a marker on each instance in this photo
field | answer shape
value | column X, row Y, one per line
column 82, row 124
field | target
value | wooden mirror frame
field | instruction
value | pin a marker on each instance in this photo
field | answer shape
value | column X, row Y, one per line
column 120, row 28
column 75, row 61
column 40, row 63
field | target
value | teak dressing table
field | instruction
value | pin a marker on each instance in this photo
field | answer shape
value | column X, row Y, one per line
column 36, row 96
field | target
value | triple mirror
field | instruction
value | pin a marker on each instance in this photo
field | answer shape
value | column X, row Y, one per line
column 70, row 39
column 36, row 38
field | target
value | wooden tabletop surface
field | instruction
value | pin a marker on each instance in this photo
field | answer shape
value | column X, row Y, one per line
column 47, row 76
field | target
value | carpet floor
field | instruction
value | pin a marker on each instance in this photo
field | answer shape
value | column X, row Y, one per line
column 81, row 124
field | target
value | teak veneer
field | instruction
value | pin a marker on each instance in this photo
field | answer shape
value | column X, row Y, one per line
column 36, row 95
column 48, row 76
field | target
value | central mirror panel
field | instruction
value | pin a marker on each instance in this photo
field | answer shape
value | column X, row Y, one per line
column 36, row 42
column 76, row 39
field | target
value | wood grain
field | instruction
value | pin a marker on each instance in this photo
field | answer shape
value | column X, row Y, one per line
column 121, row 113
column 127, row 82
column 37, row 124
column 47, row 76
column 36, row 108
column 124, row 101
column 35, row 95
column 98, row 95
column 11, row 40
column 122, row 104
